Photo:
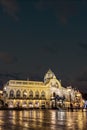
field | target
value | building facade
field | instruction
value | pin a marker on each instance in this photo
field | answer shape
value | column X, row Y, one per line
column 35, row 94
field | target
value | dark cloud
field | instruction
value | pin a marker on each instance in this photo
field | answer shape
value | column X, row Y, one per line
column 81, row 86
column 82, row 78
column 35, row 77
column 81, row 81
column 51, row 48
column 10, row 7
column 9, row 76
column 63, row 9
column 83, row 45
column 7, row 58
column 41, row 4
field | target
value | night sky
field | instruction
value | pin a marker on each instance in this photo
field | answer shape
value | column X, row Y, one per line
column 36, row 35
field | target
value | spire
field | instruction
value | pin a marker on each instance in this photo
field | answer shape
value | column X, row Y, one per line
column 49, row 75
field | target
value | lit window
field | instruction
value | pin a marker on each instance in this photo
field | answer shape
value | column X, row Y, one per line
column 18, row 94
column 24, row 94
column 36, row 94
column 11, row 93
column 31, row 94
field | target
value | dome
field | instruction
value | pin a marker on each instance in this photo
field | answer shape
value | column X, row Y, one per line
column 49, row 75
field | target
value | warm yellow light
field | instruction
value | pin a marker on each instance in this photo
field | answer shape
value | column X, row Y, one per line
column 78, row 94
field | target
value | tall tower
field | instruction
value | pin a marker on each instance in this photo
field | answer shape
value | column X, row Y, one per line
column 49, row 75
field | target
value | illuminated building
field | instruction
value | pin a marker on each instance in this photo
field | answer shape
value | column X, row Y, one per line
column 1, row 98
column 36, row 94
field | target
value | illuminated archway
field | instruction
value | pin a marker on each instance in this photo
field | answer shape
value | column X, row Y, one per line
column 24, row 94
column 18, row 94
column 36, row 94
column 42, row 94
column 31, row 94
column 11, row 94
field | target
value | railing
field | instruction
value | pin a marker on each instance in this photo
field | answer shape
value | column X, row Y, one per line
column 31, row 98
column 25, row 83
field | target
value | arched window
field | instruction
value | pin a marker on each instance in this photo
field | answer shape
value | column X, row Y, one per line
column 31, row 94
column 42, row 94
column 36, row 94
column 24, row 94
column 11, row 94
column 18, row 94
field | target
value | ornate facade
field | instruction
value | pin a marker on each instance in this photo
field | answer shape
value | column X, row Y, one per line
column 34, row 94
